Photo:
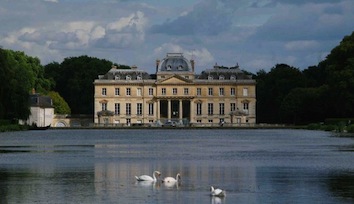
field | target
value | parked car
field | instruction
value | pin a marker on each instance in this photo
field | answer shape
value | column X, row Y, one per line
column 170, row 124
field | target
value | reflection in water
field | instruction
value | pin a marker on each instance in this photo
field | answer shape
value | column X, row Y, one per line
column 253, row 166
column 342, row 185
column 217, row 200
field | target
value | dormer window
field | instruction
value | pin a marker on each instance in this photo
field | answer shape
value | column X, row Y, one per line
column 128, row 77
column 232, row 77
column 116, row 77
column 138, row 77
column 221, row 77
column 180, row 67
column 210, row 77
column 169, row 67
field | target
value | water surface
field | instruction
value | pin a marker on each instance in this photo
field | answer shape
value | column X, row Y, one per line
column 253, row 166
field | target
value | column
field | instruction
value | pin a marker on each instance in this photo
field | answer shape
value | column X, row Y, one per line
column 192, row 112
column 169, row 110
column 158, row 112
column 180, row 112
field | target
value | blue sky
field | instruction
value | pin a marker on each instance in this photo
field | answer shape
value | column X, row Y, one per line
column 256, row 34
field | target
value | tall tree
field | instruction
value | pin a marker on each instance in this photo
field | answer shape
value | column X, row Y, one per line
column 272, row 87
column 18, row 76
column 74, row 80
column 339, row 68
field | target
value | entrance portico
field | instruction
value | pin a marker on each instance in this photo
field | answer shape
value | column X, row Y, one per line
column 174, row 109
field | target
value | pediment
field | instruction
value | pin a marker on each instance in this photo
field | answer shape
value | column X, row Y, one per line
column 175, row 79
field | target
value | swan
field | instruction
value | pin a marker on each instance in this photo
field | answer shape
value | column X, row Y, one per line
column 217, row 192
column 148, row 178
column 171, row 179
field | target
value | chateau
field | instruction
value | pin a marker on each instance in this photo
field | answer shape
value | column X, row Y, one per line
column 175, row 93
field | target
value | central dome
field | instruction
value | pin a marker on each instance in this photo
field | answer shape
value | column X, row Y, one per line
column 175, row 62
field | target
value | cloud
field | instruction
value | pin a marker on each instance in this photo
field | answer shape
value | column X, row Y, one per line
column 202, row 56
column 301, row 45
column 125, row 32
column 206, row 18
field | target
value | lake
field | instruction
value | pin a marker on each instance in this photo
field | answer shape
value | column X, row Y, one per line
column 253, row 166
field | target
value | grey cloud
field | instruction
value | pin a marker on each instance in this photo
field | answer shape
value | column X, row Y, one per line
column 205, row 19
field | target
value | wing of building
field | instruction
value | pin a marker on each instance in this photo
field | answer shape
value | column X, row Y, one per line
column 175, row 93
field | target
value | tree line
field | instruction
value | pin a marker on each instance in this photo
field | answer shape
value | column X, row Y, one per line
column 285, row 94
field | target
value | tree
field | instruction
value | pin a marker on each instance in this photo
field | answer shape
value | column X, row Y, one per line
column 272, row 87
column 60, row 105
column 18, row 76
column 339, row 69
column 74, row 80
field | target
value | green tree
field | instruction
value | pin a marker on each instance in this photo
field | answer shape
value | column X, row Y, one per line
column 19, row 74
column 74, row 80
column 60, row 105
column 339, row 68
column 272, row 87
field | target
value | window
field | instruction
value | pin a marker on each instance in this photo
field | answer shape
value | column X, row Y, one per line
column 199, row 91
column 151, row 109
column 139, row 108
column 210, row 109
column 210, row 91
column 245, row 91
column 210, row 121
column 210, row 77
column 233, row 92
column 128, row 109
column 199, row 121
column 221, row 91
column 116, row 109
column 138, row 92
column 151, row 91
column 180, row 67
column 169, row 67
column 163, row 91
column 128, row 77
column 199, row 109
column 104, row 106
column 128, row 121
column 174, row 91
column 117, row 91
column 221, row 109
column 221, row 77
column 128, row 92
column 232, row 106
column 139, row 77
column 245, row 106
column 186, row 77
column 116, row 77
column 104, row 91
column 232, row 77
column 186, row 91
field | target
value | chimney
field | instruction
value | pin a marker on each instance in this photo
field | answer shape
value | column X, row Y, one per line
column 192, row 63
column 157, row 65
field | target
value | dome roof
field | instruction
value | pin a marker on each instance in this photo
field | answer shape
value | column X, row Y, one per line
column 175, row 62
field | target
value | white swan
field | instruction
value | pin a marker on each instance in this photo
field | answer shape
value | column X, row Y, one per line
column 171, row 179
column 217, row 192
column 148, row 178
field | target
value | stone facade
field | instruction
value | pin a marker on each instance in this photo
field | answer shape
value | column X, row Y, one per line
column 217, row 96
column 42, row 111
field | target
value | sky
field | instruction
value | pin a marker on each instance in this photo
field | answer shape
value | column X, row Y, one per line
column 254, row 34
